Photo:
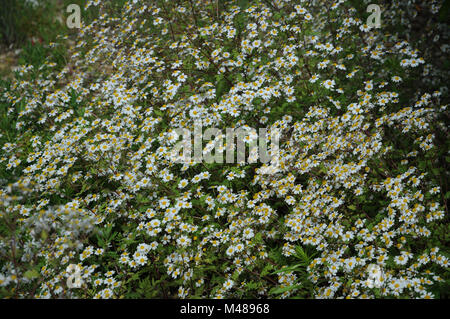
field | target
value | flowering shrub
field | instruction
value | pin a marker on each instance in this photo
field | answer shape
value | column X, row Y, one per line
column 356, row 209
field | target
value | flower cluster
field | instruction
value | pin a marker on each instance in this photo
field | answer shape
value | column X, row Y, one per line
column 352, row 210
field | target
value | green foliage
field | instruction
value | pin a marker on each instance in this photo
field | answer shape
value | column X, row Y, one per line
column 83, row 176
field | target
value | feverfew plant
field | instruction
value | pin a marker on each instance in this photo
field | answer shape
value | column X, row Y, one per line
column 355, row 208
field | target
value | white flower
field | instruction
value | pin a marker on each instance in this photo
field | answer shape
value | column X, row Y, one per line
column 227, row 285
column 328, row 84
column 183, row 183
column 314, row 78
column 230, row 251
column 183, row 241
column 248, row 233
column 164, row 203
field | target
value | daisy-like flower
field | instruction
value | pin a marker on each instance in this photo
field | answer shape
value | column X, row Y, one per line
column 248, row 233
column 230, row 251
column 164, row 203
column 95, row 152
column 227, row 285
column 396, row 79
column 314, row 78
column 183, row 183
column 328, row 84
column 184, row 241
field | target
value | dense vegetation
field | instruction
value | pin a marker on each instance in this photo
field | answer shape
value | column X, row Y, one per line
column 87, row 180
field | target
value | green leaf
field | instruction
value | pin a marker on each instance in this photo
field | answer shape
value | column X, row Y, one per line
column 222, row 86
column 243, row 4
column 302, row 255
column 323, row 169
column 436, row 171
column 251, row 285
column 266, row 269
column 258, row 238
column 277, row 291
column 31, row 274
column 287, row 269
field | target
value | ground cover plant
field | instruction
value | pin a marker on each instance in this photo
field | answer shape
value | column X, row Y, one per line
column 92, row 204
